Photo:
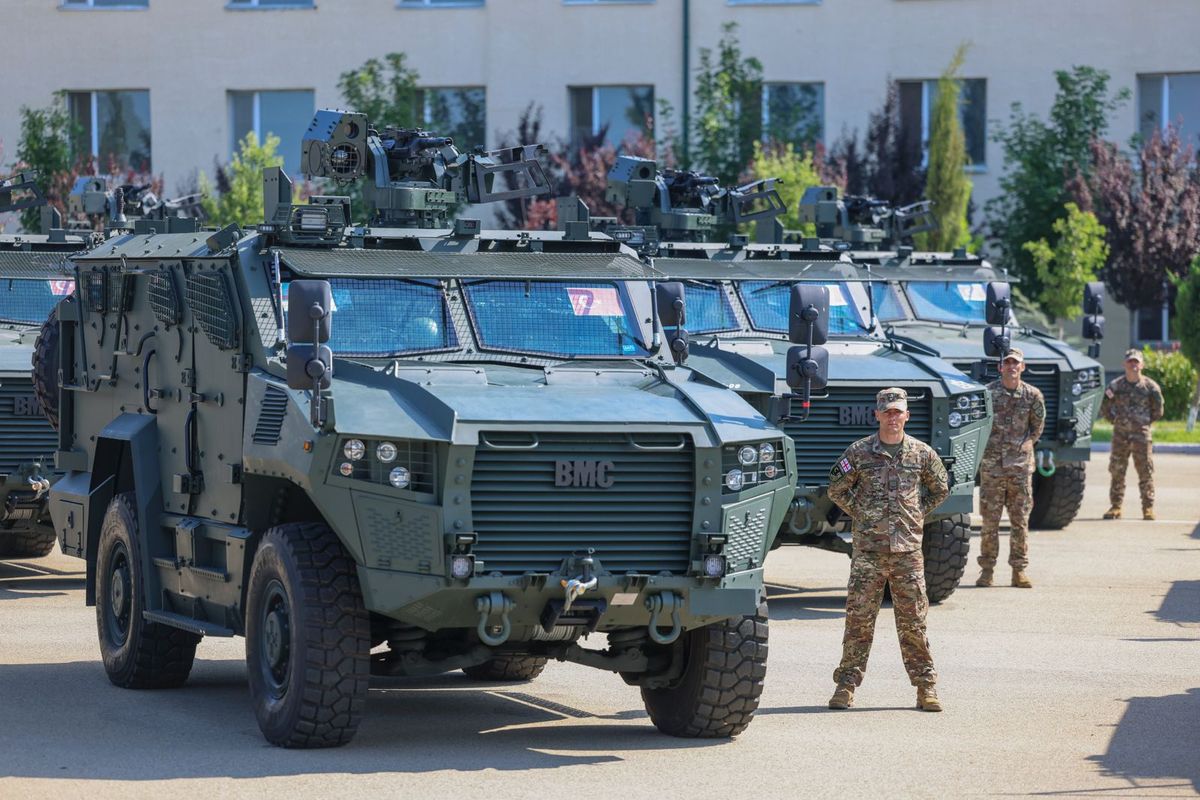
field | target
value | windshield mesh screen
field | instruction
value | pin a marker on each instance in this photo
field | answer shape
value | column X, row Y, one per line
column 887, row 304
column 708, row 309
column 25, row 301
column 952, row 301
column 577, row 318
column 767, row 303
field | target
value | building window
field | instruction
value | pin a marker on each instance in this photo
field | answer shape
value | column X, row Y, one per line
column 615, row 114
column 604, row 2
column 916, row 104
column 1170, row 100
column 127, row 5
column 239, row 5
column 773, row 2
column 112, row 127
column 287, row 114
column 793, row 112
column 437, row 3
column 458, row 112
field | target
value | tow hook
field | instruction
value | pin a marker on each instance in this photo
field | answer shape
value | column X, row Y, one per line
column 661, row 603
column 39, row 485
column 494, row 603
column 1045, row 463
column 574, row 588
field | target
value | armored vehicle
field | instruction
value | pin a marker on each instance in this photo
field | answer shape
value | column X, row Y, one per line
column 408, row 450
column 938, row 301
column 738, row 295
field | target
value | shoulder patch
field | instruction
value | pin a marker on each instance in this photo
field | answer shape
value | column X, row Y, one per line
column 840, row 468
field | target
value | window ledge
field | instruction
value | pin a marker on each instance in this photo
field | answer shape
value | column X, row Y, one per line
column 434, row 6
column 976, row 169
column 235, row 6
column 608, row 2
column 773, row 2
column 130, row 7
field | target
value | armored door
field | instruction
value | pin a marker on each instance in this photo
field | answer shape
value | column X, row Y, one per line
column 167, row 367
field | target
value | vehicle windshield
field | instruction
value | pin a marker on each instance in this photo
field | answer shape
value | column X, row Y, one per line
column 386, row 317
column 887, row 302
column 560, row 318
column 708, row 309
column 767, row 303
column 29, row 302
column 949, row 301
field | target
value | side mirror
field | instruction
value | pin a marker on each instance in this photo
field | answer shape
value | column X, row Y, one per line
column 812, row 367
column 1093, row 327
column 309, row 366
column 672, row 315
column 996, row 342
column 310, row 308
column 1093, row 299
column 808, row 314
column 999, row 301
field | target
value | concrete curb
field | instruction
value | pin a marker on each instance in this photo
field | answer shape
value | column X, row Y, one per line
column 1166, row 447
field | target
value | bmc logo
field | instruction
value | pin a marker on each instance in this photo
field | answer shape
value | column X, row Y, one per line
column 856, row 415
column 586, row 474
column 26, row 406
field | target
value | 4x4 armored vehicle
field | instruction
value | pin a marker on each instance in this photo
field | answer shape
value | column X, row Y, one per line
column 739, row 318
column 469, row 450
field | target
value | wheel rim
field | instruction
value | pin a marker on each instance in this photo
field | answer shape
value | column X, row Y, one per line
column 120, row 595
column 275, row 643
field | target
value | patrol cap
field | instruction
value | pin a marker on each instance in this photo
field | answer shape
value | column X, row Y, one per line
column 891, row 398
column 1015, row 352
column 1134, row 353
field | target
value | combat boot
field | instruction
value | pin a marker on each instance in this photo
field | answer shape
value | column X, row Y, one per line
column 985, row 577
column 1148, row 513
column 927, row 699
column 1113, row 512
column 843, row 696
column 1021, row 580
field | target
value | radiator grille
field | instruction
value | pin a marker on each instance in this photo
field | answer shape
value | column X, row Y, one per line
column 837, row 421
column 270, row 417
column 25, row 435
column 525, row 523
column 1046, row 379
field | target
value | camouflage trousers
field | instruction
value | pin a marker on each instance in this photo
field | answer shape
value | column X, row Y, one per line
column 1122, row 448
column 997, row 491
column 905, row 574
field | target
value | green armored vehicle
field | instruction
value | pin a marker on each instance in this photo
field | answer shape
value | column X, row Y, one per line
column 738, row 319
column 403, row 450
column 938, row 301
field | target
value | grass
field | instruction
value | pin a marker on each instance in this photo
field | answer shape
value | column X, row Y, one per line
column 1173, row 431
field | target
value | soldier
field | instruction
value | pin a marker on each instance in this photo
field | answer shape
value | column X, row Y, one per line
column 887, row 482
column 1006, row 474
column 1132, row 403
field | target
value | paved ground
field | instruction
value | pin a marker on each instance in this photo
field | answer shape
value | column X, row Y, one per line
column 1086, row 686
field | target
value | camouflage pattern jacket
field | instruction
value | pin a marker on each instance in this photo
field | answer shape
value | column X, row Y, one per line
column 888, row 498
column 1131, row 407
column 1018, row 417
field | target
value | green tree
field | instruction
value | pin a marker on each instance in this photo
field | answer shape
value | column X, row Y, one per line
column 1040, row 157
column 1064, row 268
column 385, row 90
column 727, row 113
column 796, row 170
column 45, row 146
column 946, row 181
column 1187, row 313
column 238, row 195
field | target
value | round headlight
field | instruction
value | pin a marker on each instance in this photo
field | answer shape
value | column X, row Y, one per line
column 354, row 449
column 346, row 469
column 770, row 471
column 766, row 451
column 964, row 401
column 955, row 419
column 1076, row 389
column 734, row 479
column 386, row 452
column 747, row 455
column 399, row 477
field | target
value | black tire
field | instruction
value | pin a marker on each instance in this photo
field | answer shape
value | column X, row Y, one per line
column 137, row 654
column 45, row 368
column 946, row 545
column 308, row 638
column 27, row 542
column 1056, row 499
column 722, row 681
column 507, row 668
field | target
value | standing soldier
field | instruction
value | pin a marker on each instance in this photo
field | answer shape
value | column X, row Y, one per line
column 887, row 482
column 1132, row 403
column 1006, row 474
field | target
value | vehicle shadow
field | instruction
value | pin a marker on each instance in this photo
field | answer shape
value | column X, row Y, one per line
column 25, row 578
column 803, row 603
column 1181, row 604
column 66, row 720
column 1157, row 737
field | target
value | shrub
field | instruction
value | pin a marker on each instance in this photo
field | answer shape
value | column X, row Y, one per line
column 1177, row 377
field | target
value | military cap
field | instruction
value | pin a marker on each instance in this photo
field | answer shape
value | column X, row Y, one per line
column 891, row 398
column 1015, row 352
column 1133, row 352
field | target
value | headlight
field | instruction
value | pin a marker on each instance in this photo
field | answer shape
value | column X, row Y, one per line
column 955, row 419
column 386, row 452
column 346, row 469
column 964, row 402
column 354, row 449
column 1076, row 389
column 766, row 451
column 747, row 455
column 770, row 471
column 399, row 477
column 735, row 479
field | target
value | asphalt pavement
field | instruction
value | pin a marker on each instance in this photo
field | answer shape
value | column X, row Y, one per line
column 1088, row 685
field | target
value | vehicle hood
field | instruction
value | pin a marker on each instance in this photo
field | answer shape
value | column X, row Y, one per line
column 958, row 343
column 16, row 349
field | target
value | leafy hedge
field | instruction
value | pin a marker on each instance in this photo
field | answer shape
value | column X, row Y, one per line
column 1176, row 376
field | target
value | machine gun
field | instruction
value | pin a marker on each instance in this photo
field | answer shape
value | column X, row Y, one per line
column 863, row 223
column 685, row 206
column 415, row 178
column 128, row 204
column 20, row 191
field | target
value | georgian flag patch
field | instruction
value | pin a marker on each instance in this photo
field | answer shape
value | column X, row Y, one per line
column 844, row 466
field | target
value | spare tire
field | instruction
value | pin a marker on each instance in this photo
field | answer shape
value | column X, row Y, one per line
column 45, row 368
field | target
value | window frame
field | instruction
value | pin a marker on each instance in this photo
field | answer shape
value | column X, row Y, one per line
column 766, row 106
column 426, row 107
column 438, row 4
column 926, row 110
column 255, row 114
column 595, row 105
column 90, row 5
column 256, row 5
column 94, row 128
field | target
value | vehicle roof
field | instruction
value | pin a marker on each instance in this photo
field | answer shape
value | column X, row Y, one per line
column 929, row 267
column 32, row 264
column 150, row 246
column 352, row 262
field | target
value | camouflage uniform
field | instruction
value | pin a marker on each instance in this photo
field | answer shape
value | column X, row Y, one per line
column 887, row 498
column 1006, row 472
column 1132, row 407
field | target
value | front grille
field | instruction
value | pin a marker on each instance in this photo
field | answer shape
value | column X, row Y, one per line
column 837, row 421
column 25, row 435
column 526, row 523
